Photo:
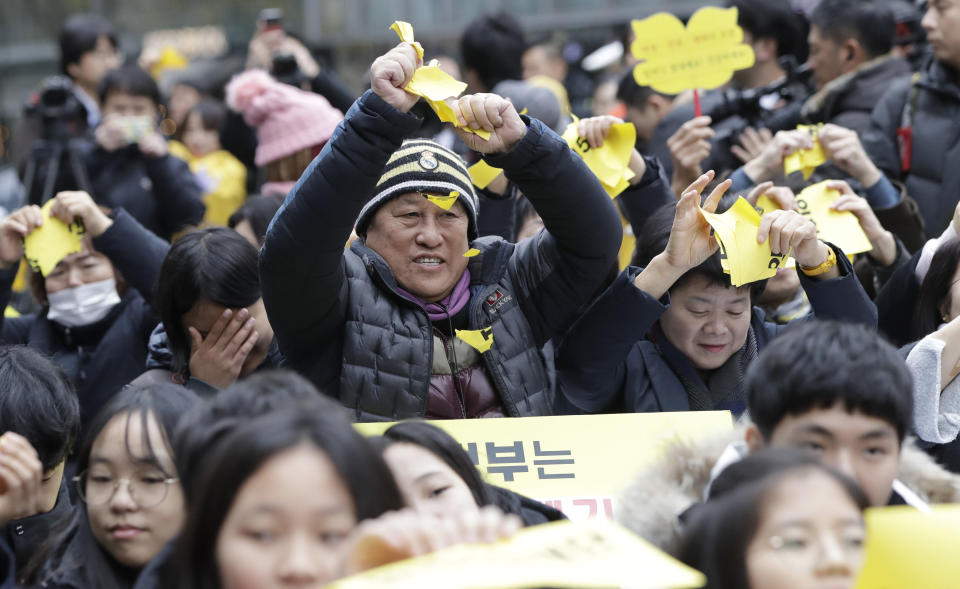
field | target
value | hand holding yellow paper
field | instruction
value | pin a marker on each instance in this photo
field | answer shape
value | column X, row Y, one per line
column 434, row 84
column 907, row 547
column 703, row 55
column 482, row 174
column 52, row 242
column 746, row 260
column 444, row 202
column 611, row 161
column 806, row 160
column 480, row 339
column 587, row 554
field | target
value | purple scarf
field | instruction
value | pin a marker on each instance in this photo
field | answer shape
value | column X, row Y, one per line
column 453, row 304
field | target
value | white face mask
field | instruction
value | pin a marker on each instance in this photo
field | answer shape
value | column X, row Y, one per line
column 84, row 304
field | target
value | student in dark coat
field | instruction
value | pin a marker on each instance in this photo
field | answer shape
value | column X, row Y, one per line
column 676, row 336
column 96, row 317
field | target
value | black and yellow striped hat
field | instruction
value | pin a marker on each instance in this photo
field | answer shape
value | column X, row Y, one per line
column 422, row 165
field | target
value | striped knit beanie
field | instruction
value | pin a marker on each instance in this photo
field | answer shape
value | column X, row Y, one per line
column 422, row 165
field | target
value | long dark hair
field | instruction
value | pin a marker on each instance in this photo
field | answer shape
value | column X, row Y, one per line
column 443, row 446
column 72, row 551
column 935, row 287
column 718, row 533
column 236, row 456
column 215, row 264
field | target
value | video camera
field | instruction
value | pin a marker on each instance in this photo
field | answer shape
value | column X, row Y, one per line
column 61, row 114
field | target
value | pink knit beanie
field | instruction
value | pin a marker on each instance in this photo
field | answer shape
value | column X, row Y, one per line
column 287, row 119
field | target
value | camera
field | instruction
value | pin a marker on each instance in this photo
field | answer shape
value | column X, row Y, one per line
column 61, row 114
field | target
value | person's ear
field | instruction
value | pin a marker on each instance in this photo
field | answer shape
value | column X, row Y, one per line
column 661, row 105
column 73, row 69
column 852, row 54
column 754, row 439
column 944, row 309
column 765, row 49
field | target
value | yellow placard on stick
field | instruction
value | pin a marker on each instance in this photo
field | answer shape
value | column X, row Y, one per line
column 842, row 228
column 52, row 241
column 610, row 162
column 434, row 84
column 589, row 554
column 746, row 260
column 704, row 54
column 907, row 547
column 806, row 160
column 479, row 339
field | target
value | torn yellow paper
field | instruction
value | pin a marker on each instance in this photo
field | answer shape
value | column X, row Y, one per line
column 444, row 202
column 841, row 228
column 746, row 260
column 480, row 339
column 52, row 241
column 806, row 160
column 482, row 174
column 704, row 54
column 908, row 547
column 405, row 31
column 471, row 252
column 611, row 161
column 591, row 554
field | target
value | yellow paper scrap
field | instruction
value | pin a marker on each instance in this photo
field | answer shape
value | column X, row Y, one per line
column 611, row 161
column 703, row 55
column 52, row 241
column 444, row 202
column 746, row 260
column 434, row 84
column 471, row 252
column 841, row 228
column 589, row 554
column 405, row 31
column 907, row 547
column 482, row 174
column 806, row 160
column 480, row 339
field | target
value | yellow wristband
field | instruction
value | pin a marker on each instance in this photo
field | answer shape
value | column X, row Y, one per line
column 823, row 268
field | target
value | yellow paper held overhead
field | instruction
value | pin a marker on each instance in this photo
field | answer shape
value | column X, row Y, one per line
column 52, row 242
column 480, row 339
column 444, row 202
column 907, row 547
column 746, row 260
column 405, row 31
column 704, row 54
column 482, row 174
column 611, row 161
column 806, row 160
column 471, row 252
column 588, row 554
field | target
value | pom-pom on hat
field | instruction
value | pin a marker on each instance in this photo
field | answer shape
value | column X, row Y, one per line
column 287, row 118
column 422, row 165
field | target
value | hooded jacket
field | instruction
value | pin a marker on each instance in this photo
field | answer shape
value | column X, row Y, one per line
column 932, row 103
column 340, row 319
column 100, row 358
column 652, row 503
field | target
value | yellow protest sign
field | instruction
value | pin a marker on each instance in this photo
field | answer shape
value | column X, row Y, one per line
column 806, row 160
column 434, row 84
column 482, row 174
column 579, row 463
column 842, row 228
column 704, row 54
column 591, row 554
column 471, row 252
column 746, row 260
column 610, row 162
column 444, row 202
column 480, row 339
column 52, row 241
column 911, row 548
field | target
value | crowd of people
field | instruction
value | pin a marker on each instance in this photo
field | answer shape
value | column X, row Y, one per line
column 271, row 259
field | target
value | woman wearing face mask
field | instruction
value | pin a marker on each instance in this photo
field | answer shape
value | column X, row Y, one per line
column 676, row 335
column 437, row 477
column 797, row 526
column 96, row 313
column 215, row 329
column 131, row 498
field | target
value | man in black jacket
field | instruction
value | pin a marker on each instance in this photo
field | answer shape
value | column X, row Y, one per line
column 385, row 325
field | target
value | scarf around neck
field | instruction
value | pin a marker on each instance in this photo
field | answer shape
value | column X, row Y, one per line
column 448, row 307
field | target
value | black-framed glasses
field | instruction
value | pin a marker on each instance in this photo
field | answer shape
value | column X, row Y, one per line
column 148, row 488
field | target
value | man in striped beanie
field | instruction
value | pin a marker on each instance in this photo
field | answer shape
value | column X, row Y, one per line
column 420, row 317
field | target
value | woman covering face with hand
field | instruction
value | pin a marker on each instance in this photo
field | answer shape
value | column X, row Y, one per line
column 96, row 313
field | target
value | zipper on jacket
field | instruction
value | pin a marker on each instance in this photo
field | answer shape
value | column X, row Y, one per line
column 452, row 351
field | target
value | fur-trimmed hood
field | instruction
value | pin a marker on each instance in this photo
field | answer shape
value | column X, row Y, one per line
column 652, row 503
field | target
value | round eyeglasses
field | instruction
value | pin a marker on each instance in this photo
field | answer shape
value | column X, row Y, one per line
column 147, row 488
